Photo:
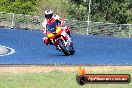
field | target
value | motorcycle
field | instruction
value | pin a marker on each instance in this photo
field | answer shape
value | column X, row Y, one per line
column 60, row 38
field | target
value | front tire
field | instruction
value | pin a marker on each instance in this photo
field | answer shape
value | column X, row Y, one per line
column 63, row 48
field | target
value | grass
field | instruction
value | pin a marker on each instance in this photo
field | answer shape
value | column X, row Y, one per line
column 55, row 79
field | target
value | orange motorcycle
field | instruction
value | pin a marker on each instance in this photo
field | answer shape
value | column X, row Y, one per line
column 60, row 38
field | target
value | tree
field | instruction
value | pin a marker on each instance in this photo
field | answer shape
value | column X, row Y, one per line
column 115, row 11
column 17, row 6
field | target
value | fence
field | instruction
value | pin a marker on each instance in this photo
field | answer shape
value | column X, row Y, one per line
column 11, row 20
column 100, row 28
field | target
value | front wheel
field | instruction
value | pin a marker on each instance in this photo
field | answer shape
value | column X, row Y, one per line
column 63, row 48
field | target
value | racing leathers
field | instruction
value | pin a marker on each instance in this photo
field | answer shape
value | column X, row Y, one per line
column 61, row 21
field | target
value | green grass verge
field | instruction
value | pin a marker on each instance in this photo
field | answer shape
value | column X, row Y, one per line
column 55, row 79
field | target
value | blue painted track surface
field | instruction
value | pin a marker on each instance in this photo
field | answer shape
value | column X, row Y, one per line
column 93, row 50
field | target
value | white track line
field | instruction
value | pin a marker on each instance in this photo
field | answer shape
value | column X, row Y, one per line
column 11, row 52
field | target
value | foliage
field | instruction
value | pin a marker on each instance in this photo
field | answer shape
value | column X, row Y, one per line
column 115, row 11
column 58, row 6
column 18, row 6
column 78, row 12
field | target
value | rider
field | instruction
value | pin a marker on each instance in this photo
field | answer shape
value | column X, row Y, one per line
column 49, row 18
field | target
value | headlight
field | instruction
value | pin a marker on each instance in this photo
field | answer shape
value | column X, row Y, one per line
column 50, row 35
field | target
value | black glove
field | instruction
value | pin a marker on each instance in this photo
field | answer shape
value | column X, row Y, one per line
column 58, row 22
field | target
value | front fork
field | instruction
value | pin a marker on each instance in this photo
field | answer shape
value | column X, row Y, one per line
column 68, row 42
column 65, row 39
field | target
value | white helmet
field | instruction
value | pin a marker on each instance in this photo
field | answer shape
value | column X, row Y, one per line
column 48, row 14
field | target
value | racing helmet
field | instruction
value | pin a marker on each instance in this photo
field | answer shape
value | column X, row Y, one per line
column 48, row 14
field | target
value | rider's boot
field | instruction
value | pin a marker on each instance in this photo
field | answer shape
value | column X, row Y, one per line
column 46, row 40
column 68, row 31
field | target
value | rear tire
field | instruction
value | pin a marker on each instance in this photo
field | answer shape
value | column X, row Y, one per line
column 72, row 51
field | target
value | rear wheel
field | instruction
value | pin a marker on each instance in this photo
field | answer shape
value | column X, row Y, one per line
column 72, row 51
